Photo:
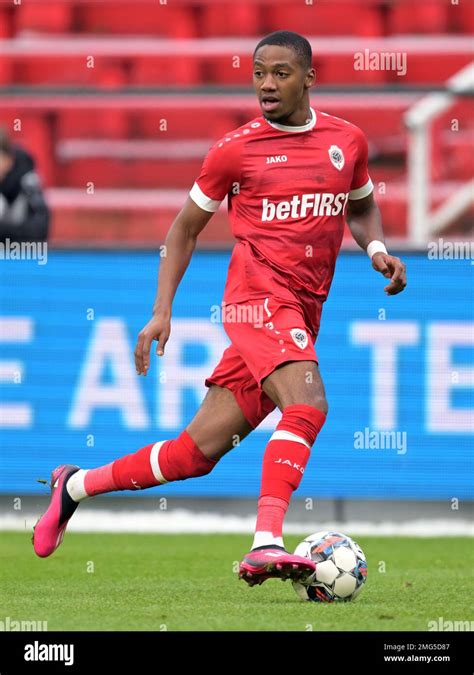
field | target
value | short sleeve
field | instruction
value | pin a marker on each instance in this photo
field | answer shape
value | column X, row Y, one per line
column 219, row 172
column 361, row 185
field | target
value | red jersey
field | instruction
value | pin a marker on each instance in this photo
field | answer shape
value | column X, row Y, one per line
column 287, row 190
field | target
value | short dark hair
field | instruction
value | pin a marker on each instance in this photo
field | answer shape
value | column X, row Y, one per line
column 294, row 41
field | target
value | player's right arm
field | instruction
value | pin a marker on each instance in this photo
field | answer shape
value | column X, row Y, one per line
column 219, row 172
column 178, row 248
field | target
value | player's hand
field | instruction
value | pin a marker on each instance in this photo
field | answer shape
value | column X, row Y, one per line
column 158, row 328
column 392, row 268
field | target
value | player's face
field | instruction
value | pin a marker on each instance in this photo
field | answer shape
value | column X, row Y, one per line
column 281, row 82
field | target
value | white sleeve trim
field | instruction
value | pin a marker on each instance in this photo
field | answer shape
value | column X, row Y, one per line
column 202, row 200
column 363, row 191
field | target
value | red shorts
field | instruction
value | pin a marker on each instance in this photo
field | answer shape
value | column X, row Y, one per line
column 265, row 333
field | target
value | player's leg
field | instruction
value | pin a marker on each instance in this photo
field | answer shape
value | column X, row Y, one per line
column 218, row 424
column 281, row 357
column 297, row 388
column 195, row 452
column 296, row 382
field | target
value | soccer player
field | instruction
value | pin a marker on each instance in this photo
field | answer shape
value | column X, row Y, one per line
column 290, row 175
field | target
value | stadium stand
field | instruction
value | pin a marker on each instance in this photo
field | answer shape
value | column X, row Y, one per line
column 120, row 107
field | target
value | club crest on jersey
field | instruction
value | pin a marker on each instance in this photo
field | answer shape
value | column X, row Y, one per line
column 299, row 337
column 336, row 156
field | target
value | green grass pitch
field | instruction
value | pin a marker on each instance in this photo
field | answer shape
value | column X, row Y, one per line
column 188, row 582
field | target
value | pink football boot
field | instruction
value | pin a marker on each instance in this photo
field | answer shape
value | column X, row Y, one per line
column 267, row 562
column 49, row 531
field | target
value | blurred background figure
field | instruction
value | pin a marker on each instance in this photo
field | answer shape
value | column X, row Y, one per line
column 24, row 215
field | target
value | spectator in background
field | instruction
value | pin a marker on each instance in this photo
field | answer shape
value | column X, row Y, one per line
column 24, row 215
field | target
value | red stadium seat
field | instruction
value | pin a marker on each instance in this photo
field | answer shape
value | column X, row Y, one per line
column 132, row 223
column 462, row 17
column 91, row 123
column 164, row 121
column 452, row 150
column 49, row 17
column 104, row 173
column 184, row 123
column 166, row 70
column 6, row 70
column 339, row 68
column 424, row 68
column 458, row 158
column 112, row 76
column 6, row 21
column 461, row 113
column 61, row 70
column 222, row 19
column 136, row 173
column 428, row 16
column 385, row 125
column 227, row 69
column 141, row 18
column 393, row 207
column 326, row 17
column 387, row 174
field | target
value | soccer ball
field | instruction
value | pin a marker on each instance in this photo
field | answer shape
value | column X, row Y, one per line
column 341, row 568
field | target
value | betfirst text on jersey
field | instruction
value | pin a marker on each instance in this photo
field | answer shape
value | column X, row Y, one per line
column 324, row 204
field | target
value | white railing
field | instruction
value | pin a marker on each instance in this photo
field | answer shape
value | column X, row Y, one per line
column 422, row 223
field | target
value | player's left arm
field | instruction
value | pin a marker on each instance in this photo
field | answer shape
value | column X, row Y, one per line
column 365, row 224
column 363, row 219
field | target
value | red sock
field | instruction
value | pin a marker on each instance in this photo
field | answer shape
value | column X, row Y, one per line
column 155, row 464
column 284, row 462
column 270, row 515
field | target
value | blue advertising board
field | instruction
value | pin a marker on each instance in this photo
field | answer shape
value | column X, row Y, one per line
column 399, row 375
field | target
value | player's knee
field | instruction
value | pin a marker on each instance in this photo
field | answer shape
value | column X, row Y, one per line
column 320, row 403
column 315, row 397
column 315, row 400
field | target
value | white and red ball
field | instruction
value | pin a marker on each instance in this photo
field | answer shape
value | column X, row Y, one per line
column 341, row 567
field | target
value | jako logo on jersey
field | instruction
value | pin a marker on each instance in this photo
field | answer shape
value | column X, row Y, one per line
column 322, row 204
column 298, row 467
column 299, row 337
column 277, row 158
column 336, row 156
